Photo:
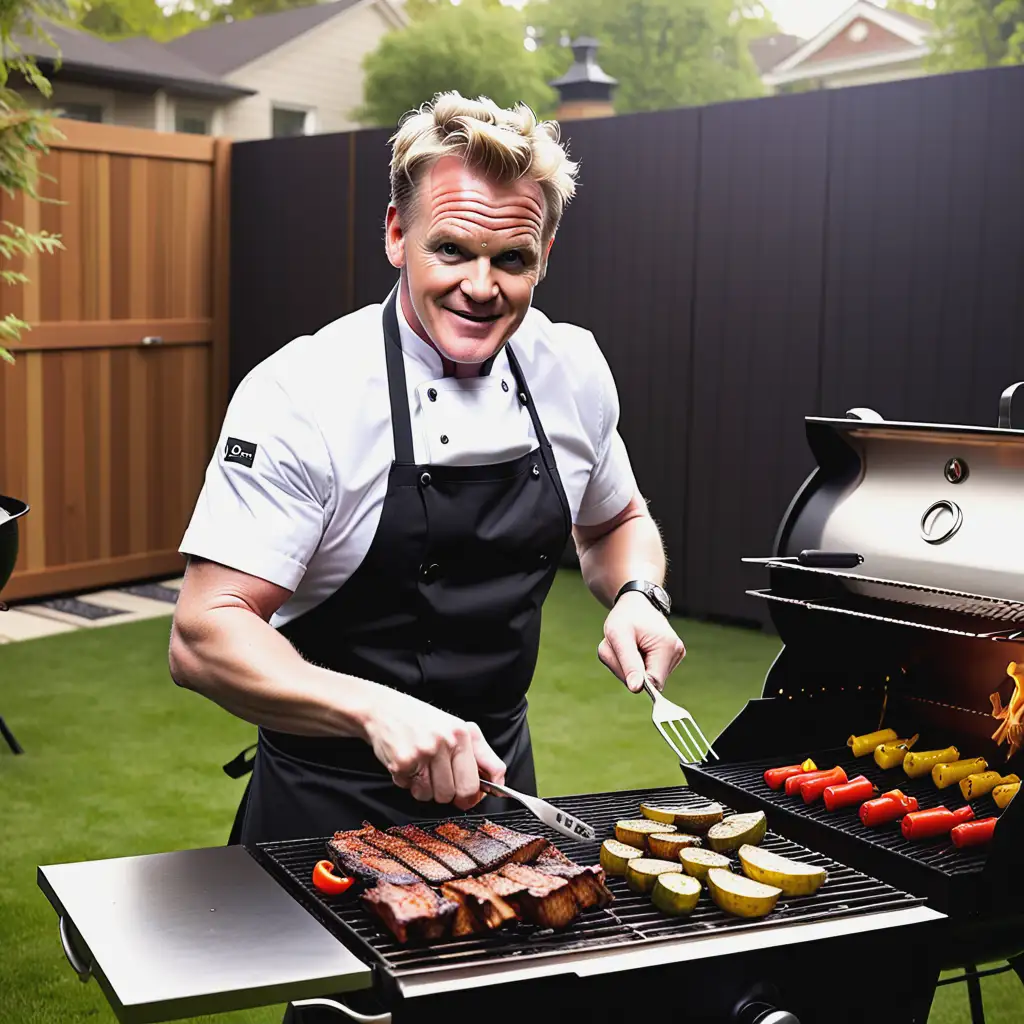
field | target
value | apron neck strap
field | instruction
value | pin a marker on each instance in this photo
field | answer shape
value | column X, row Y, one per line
column 401, row 419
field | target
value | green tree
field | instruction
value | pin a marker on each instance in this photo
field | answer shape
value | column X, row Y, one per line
column 475, row 48
column 976, row 34
column 664, row 53
column 24, row 136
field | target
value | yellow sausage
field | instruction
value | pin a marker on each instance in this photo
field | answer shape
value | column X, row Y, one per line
column 946, row 774
column 1004, row 794
column 861, row 745
column 921, row 762
column 978, row 785
column 891, row 755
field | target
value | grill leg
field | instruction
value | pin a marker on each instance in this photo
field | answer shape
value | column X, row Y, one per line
column 9, row 736
column 974, row 997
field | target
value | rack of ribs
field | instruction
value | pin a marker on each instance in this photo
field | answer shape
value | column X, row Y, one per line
column 412, row 913
column 488, row 853
column 457, row 861
column 429, row 869
column 352, row 856
column 479, row 908
column 587, row 882
column 525, row 848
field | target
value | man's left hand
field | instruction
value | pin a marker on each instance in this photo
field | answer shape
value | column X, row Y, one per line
column 638, row 641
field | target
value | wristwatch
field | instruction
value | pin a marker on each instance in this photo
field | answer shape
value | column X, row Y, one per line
column 655, row 594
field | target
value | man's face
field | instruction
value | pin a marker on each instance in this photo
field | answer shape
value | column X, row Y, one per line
column 471, row 258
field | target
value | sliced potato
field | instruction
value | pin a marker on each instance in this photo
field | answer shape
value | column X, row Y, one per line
column 615, row 856
column 741, row 896
column 698, row 862
column 675, row 894
column 690, row 819
column 634, row 832
column 643, row 872
column 666, row 845
column 737, row 830
column 792, row 877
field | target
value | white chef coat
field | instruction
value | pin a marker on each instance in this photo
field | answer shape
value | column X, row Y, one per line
column 294, row 491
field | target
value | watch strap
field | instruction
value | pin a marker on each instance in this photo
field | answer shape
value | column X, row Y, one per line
column 651, row 591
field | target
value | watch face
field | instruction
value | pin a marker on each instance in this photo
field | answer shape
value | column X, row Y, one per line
column 661, row 597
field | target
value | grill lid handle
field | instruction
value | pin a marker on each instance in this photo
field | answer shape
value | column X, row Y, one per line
column 829, row 559
column 862, row 413
column 1013, row 395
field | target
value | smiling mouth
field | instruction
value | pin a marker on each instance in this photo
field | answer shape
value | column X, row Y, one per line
column 472, row 318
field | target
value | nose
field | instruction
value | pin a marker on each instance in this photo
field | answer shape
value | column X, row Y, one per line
column 479, row 285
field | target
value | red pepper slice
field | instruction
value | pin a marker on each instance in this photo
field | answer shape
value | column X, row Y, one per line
column 887, row 807
column 973, row 833
column 935, row 821
column 848, row 794
column 811, row 789
column 794, row 781
column 327, row 881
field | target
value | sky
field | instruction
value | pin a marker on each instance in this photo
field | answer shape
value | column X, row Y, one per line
column 805, row 18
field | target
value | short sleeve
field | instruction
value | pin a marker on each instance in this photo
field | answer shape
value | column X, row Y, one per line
column 263, row 505
column 612, row 485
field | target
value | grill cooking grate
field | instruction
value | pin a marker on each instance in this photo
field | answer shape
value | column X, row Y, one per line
column 938, row 854
column 630, row 920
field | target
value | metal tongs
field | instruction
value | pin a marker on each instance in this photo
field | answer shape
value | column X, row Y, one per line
column 554, row 817
column 665, row 713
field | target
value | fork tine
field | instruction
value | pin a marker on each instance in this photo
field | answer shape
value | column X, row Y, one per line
column 711, row 749
column 665, row 736
column 685, row 723
column 686, row 747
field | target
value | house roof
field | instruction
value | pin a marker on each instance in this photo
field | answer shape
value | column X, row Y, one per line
column 227, row 46
column 912, row 32
column 768, row 51
column 131, row 63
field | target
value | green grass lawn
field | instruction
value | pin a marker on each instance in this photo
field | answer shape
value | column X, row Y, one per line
column 119, row 761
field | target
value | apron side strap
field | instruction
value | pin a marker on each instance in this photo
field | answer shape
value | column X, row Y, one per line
column 239, row 765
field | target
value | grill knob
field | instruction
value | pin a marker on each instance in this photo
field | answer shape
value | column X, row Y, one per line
column 764, row 1013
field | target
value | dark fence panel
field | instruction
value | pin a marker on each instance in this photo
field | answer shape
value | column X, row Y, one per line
column 924, row 310
column 622, row 267
column 373, row 274
column 290, row 267
column 760, row 241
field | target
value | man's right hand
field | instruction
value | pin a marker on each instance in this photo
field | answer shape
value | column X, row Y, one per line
column 431, row 753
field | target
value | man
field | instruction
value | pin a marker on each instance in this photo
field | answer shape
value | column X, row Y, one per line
column 391, row 497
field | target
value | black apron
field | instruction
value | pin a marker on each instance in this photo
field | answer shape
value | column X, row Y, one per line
column 446, row 606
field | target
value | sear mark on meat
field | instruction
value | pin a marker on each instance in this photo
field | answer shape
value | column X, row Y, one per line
column 352, row 856
column 412, row 913
column 480, row 909
column 488, row 853
column 525, row 848
column 539, row 899
column 588, row 885
column 429, row 869
column 457, row 861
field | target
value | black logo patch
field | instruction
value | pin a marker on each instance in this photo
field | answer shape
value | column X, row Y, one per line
column 242, row 452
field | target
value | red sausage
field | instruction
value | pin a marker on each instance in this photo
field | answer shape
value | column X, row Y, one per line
column 936, row 821
column 973, row 833
column 775, row 777
column 811, row 789
column 847, row 794
column 887, row 807
column 794, row 781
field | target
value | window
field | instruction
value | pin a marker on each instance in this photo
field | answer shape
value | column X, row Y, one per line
column 289, row 122
column 191, row 122
column 82, row 112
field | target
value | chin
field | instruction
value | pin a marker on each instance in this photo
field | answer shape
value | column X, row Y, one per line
column 470, row 346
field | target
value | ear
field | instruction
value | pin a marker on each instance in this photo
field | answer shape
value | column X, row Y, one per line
column 394, row 238
column 544, row 260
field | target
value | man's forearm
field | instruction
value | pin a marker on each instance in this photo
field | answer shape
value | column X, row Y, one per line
column 240, row 662
column 631, row 550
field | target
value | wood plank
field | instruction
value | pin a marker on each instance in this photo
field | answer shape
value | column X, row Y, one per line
column 73, row 237
column 73, row 334
column 75, row 508
column 83, row 136
column 201, row 235
column 120, row 207
column 32, row 221
column 53, row 459
column 140, row 239
column 103, row 225
column 138, row 496
column 90, row 575
column 12, row 208
column 220, row 355
column 120, row 462
column 35, row 453
column 13, row 444
column 103, row 468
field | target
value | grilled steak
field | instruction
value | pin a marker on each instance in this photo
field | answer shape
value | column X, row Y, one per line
column 587, row 882
column 480, row 909
column 552, row 855
column 352, row 856
column 457, row 861
column 405, row 853
column 412, row 913
column 537, row 898
column 525, row 848
column 488, row 853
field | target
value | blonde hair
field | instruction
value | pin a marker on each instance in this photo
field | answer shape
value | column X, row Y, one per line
column 506, row 144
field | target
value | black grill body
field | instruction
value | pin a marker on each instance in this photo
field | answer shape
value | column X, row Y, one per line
column 795, row 977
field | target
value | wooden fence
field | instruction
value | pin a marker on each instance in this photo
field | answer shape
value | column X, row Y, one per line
column 110, row 411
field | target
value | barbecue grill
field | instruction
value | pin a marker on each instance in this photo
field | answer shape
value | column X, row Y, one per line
column 915, row 636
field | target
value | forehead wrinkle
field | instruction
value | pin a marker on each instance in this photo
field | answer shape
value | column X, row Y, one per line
column 445, row 194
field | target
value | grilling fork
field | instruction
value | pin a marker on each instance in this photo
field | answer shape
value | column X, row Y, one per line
column 552, row 816
column 665, row 713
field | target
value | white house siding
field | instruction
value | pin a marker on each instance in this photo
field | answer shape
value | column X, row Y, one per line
column 318, row 71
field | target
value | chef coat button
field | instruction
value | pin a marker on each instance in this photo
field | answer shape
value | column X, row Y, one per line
column 444, row 439
column 425, row 479
column 504, row 385
column 522, row 397
column 535, row 469
column 428, row 645
column 432, row 394
column 430, row 572
column 543, row 559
